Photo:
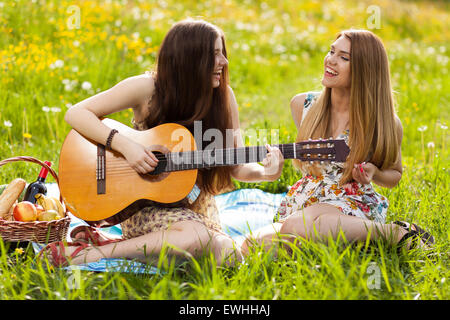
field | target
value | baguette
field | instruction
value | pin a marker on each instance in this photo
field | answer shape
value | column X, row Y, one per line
column 10, row 195
column 10, row 215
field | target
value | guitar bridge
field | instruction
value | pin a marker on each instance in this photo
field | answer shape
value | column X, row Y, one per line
column 101, row 169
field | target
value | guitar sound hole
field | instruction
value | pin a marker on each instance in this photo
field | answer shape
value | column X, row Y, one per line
column 161, row 167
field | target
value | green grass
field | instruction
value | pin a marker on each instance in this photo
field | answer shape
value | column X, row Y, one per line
column 275, row 50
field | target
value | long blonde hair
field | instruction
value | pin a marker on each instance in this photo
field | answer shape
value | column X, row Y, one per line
column 373, row 129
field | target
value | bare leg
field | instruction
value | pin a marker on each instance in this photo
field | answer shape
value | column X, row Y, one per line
column 319, row 221
column 265, row 237
column 183, row 239
column 322, row 220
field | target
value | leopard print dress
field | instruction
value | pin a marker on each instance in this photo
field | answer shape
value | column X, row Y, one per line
column 155, row 218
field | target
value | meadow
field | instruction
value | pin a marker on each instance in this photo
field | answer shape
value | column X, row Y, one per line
column 54, row 54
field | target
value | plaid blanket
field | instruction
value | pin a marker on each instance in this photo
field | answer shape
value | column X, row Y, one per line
column 240, row 211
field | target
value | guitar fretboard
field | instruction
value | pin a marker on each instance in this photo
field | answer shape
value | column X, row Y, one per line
column 187, row 160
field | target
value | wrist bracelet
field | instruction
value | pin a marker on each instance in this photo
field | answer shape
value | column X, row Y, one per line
column 110, row 137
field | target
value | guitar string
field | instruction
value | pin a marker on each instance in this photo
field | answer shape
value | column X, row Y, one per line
column 232, row 151
column 289, row 150
column 252, row 151
column 164, row 159
column 126, row 168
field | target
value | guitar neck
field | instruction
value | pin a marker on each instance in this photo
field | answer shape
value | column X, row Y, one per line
column 208, row 158
column 312, row 150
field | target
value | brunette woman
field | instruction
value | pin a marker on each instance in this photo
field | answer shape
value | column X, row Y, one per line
column 190, row 84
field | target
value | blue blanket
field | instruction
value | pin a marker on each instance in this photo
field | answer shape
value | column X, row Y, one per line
column 240, row 211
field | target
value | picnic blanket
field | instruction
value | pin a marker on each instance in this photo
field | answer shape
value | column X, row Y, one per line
column 240, row 211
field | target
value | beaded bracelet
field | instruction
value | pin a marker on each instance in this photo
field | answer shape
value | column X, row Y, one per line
column 110, row 137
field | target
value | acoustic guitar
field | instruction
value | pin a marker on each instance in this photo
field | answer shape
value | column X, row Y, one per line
column 99, row 186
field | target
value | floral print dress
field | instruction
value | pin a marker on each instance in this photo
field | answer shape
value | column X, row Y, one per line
column 353, row 198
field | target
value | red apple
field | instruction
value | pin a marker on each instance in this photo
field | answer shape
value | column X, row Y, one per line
column 25, row 211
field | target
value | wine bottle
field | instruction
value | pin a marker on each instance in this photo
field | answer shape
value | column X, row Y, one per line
column 38, row 186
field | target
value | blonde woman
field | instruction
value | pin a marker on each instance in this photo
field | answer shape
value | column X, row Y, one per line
column 356, row 105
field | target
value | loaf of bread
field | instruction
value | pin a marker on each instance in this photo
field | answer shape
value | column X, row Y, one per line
column 10, row 215
column 10, row 195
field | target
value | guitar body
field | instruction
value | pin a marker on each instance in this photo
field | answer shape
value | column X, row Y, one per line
column 99, row 187
column 124, row 187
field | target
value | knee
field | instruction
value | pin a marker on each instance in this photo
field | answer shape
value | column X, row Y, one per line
column 292, row 224
column 199, row 240
column 203, row 240
column 251, row 244
column 192, row 236
column 225, row 250
column 298, row 224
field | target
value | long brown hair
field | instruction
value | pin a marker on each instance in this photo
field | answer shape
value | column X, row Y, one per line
column 184, row 91
column 373, row 129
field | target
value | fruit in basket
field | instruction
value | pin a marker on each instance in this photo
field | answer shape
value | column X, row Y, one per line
column 39, row 209
column 59, row 206
column 49, row 215
column 10, row 195
column 25, row 211
column 44, row 201
column 50, row 203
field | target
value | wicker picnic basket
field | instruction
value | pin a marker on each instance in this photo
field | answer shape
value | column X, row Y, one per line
column 35, row 231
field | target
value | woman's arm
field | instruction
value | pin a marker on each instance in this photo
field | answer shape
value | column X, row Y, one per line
column 387, row 178
column 253, row 172
column 132, row 92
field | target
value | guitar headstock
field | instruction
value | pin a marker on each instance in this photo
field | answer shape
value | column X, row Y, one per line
column 331, row 150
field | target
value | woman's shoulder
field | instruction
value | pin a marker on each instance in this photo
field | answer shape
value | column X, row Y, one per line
column 232, row 98
column 145, row 82
column 142, row 86
column 230, row 91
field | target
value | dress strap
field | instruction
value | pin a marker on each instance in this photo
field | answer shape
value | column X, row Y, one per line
column 311, row 97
